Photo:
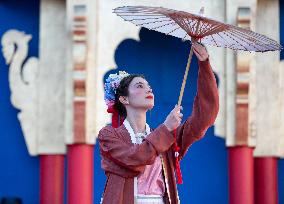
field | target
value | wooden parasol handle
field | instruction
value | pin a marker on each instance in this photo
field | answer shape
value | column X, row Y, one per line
column 185, row 76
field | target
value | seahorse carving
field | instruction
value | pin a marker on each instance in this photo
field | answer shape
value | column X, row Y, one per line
column 23, row 83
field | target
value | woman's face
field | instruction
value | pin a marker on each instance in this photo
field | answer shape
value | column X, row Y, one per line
column 140, row 94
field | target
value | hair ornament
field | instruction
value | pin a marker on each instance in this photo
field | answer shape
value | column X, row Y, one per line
column 111, row 85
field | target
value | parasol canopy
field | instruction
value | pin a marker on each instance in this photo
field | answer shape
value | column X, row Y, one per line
column 186, row 26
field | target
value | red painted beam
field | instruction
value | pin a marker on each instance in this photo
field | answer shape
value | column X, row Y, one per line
column 80, row 160
column 241, row 175
column 266, row 180
column 51, row 179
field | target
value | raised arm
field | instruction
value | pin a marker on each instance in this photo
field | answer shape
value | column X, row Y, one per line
column 205, row 108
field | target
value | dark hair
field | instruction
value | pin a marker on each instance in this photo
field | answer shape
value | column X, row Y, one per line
column 122, row 90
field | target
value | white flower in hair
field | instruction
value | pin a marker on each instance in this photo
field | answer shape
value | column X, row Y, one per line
column 111, row 84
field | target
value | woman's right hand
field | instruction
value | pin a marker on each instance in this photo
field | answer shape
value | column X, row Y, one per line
column 174, row 118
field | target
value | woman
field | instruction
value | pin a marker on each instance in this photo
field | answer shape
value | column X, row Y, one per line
column 139, row 163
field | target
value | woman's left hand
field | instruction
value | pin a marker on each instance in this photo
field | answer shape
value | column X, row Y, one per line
column 200, row 51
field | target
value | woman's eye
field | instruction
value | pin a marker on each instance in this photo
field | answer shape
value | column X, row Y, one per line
column 140, row 86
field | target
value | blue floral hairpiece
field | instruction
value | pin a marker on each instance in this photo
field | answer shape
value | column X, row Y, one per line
column 111, row 84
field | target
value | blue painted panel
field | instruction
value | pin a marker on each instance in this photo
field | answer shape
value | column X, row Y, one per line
column 19, row 173
column 162, row 59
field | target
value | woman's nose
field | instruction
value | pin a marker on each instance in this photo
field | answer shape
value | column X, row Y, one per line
column 149, row 90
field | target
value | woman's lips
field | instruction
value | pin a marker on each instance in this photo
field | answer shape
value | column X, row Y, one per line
column 149, row 97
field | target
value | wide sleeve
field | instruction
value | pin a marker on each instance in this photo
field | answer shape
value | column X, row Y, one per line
column 134, row 156
column 205, row 109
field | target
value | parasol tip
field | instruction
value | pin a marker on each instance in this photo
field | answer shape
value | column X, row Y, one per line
column 201, row 12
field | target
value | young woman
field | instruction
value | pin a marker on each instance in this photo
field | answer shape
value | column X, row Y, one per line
column 140, row 163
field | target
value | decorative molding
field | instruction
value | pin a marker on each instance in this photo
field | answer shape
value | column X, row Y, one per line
column 243, row 60
column 79, row 46
column 236, row 77
column 23, row 81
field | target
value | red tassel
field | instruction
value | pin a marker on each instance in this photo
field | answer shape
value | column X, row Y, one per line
column 176, row 149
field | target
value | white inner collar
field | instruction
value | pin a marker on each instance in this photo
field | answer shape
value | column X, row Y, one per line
column 131, row 131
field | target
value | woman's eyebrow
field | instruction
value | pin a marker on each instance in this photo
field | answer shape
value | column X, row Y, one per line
column 139, row 82
column 142, row 83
